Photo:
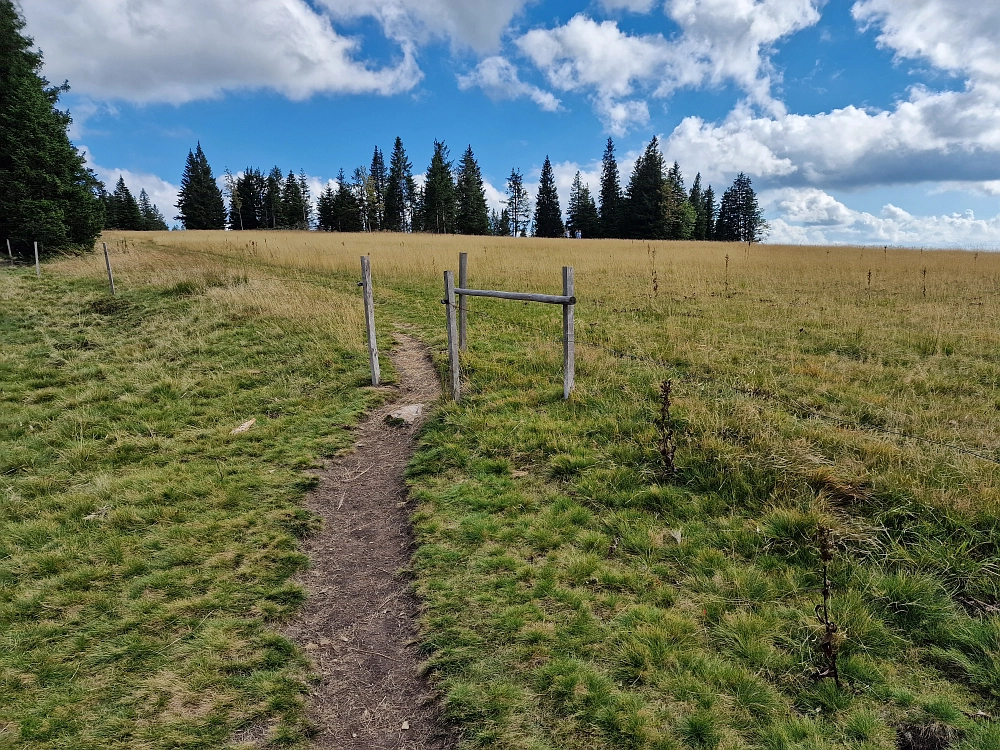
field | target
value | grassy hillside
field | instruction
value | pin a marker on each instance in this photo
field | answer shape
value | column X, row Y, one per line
column 577, row 597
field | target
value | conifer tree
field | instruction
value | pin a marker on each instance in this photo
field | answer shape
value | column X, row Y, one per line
column 697, row 200
column 326, row 209
column 472, row 216
column 709, row 212
column 740, row 217
column 250, row 210
column 611, row 194
column 679, row 214
column 124, row 209
column 518, row 209
column 400, row 191
column 346, row 210
column 438, row 204
column 361, row 189
column 646, row 215
column 272, row 198
column 293, row 207
column 548, row 214
column 46, row 192
column 200, row 204
column 582, row 211
column 307, row 207
column 152, row 219
column 379, row 184
column 230, row 191
column 500, row 223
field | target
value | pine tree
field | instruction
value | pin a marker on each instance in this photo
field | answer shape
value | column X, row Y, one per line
column 611, row 195
column 379, row 184
column 740, row 217
column 46, row 192
column 152, row 219
column 646, row 215
column 200, row 204
column 518, row 208
column 548, row 213
column 679, row 214
column 400, row 191
column 582, row 211
column 361, row 190
column 438, row 204
column 709, row 211
column 250, row 210
column 500, row 223
column 472, row 216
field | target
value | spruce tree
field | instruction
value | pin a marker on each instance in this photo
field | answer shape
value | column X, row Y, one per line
column 582, row 211
column 152, row 219
column 740, row 217
column 307, row 207
column 200, row 204
column 646, row 215
column 472, row 216
column 709, row 211
column 292, row 208
column 346, row 210
column 518, row 209
column 250, row 211
column 379, row 185
column 680, row 216
column 438, row 204
column 611, row 194
column 697, row 200
column 326, row 209
column 46, row 192
column 500, row 223
column 272, row 198
column 548, row 214
column 126, row 209
column 400, row 191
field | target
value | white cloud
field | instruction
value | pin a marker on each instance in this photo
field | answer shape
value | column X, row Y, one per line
column 163, row 194
column 494, row 198
column 478, row 24
column 498, row 77
column 181, row 50
column 634, row 6
column 721, row 41
column 959, row 37
column 810, row 216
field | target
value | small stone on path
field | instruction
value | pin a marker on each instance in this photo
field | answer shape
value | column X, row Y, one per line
column 406, row 416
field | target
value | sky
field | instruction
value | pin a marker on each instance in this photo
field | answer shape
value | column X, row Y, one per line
column 866, row 122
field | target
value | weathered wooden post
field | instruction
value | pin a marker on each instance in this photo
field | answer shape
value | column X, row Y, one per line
column 107, row 262
column 463, row 278
column 10, row 254
column 449, row 302
column 38, row 266
column 366, row 284
column 569, row 334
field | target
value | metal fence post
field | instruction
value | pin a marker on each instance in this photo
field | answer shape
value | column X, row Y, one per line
column 449, row 301
column 569, row 334
column 366, row 284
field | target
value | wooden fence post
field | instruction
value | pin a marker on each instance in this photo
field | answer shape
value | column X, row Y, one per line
column 38, row 267
column 107, row 262
column 366, row 284
column 569, row 334
column 463, row 279
column 9, row 253
column 449, row 301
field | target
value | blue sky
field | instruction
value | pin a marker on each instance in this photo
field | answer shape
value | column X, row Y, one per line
column 874, row 121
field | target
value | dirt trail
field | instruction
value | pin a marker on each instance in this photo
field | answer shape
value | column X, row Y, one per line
column 358, row 623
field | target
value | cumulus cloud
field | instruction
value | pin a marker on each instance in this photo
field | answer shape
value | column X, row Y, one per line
column 478, row 24
column 498, row 77
column 721, row 41
column 635, row 6
column 163, row 194
column 811, row 216
column 182, row 50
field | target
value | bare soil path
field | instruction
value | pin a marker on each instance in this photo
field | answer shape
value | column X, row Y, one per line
column 359, row 622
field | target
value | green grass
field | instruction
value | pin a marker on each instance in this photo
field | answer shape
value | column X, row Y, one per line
column 145, row 553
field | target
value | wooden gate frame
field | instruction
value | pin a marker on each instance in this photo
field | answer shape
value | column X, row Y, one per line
column 457, row 338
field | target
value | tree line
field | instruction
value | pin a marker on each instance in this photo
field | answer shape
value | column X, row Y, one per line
column 452, row 200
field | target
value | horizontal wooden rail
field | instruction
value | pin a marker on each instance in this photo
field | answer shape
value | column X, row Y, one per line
column 550, row 299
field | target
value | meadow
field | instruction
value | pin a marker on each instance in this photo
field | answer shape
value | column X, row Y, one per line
column 576, row 594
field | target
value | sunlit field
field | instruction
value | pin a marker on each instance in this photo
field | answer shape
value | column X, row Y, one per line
column 576, row 594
